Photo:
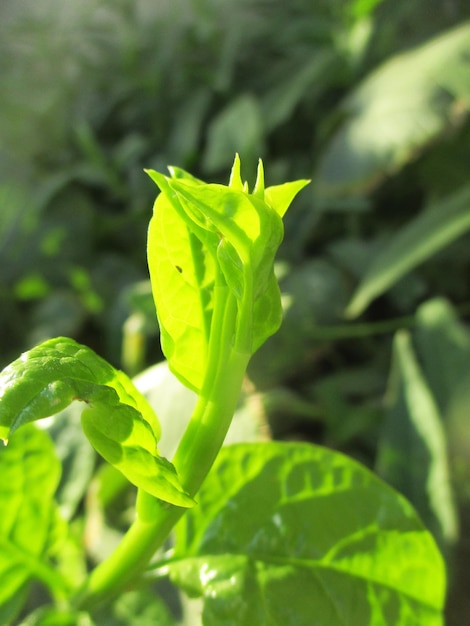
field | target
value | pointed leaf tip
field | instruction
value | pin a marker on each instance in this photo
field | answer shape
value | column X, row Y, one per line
column 235, row 181
column 259, row 185
column 280, row 197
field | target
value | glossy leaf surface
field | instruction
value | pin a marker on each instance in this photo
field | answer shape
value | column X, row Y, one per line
column 294, row 534
column 30, row 473
column 118, row 421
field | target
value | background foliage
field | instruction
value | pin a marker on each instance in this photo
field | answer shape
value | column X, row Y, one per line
column 369, row 98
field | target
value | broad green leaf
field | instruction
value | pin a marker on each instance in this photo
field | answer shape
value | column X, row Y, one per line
column 423, row 236
column 412, row 453
column 443, row 344
column 396, row 111
column 202, row 239
column 295, row 534
column 118, row 421
column 30, row 473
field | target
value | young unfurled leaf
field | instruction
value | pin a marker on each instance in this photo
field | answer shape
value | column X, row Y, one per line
column 204, row 238
column 118, row 421
column 183, row 275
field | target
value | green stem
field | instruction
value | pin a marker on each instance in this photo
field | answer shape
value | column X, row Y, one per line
column 194, row 457
column 213, row 413
column 365, row 329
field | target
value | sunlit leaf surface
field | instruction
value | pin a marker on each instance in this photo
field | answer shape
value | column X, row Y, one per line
column 29, row 473
column 118, row 421
column 294, row 534
column 396, row 111
column 209, row 243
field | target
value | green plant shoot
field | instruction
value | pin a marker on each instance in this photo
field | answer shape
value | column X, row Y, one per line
column 273, row 521
column 211, row 255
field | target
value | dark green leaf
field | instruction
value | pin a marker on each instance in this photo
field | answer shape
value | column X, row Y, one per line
column 280, row 103
column 418, row 240
column 443, row 343
column 412, row 452
column 408, row 101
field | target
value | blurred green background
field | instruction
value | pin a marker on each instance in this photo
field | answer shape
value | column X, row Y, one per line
column 370, row 99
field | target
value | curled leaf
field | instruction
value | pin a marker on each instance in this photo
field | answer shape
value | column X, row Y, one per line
column 207, row 237
column 118, row 421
